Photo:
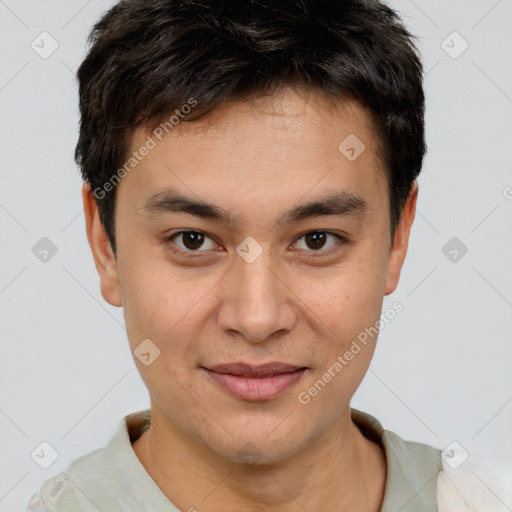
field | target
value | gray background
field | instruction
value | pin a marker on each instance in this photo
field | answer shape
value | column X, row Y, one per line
column 442, row 369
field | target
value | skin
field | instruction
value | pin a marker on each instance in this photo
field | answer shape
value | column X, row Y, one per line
column 287, row 305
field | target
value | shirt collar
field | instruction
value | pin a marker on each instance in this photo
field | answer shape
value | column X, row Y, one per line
column 412, row 468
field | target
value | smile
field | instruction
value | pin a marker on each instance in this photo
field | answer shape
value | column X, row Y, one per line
column 255, row 383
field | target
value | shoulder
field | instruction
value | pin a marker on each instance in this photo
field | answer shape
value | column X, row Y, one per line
column 458, row 481
column 63, row 492
column 102, row 479
column 473, row 484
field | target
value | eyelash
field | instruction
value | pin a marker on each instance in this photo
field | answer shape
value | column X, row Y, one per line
column 341, row 239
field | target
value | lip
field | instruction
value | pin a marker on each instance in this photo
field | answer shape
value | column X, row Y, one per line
column 255, row 382
column 254, row 371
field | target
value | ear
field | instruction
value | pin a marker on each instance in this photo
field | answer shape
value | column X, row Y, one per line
column 401, row 241
column 101, row 248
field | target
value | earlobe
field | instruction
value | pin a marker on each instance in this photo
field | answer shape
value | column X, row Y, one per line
column 104, row 258
column 401, row 241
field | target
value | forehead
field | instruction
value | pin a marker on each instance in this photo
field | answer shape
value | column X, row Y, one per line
column 289, row 143
column 291, row 115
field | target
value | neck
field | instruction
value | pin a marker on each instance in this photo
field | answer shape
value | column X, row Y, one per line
column 341, row 470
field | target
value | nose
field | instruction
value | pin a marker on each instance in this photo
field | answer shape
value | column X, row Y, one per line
column 255, row 301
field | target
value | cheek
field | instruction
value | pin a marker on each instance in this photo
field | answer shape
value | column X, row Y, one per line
column 156, row 297
column 345, row 299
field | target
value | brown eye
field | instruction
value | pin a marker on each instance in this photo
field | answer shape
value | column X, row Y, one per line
column 191, row 241
column 315, row 241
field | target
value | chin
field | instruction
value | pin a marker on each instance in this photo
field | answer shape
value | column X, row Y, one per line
column 256, row 451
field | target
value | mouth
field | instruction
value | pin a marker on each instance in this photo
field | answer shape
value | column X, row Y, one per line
column 255, row 382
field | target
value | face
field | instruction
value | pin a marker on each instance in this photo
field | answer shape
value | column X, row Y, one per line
column 256, row 278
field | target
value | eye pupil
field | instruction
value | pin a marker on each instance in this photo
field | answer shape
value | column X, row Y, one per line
column 195, row 238
column 318, row 239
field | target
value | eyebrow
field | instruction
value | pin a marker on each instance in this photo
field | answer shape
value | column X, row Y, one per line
column 339, row 203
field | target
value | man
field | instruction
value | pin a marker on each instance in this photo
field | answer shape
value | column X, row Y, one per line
column 250, row 184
